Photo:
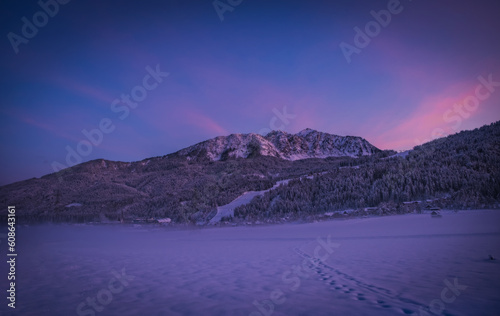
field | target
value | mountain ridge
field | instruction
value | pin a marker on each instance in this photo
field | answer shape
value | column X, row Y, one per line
column 462, row 170
column 305, row 144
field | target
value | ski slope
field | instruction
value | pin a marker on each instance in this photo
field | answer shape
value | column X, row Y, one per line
column 245, row 198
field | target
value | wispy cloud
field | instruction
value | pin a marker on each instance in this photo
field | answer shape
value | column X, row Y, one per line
column 203, row 122
column 54, row 130
column 426, row 121
column 92, row 92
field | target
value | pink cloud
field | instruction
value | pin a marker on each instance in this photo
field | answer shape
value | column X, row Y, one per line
column 203, row 122
column 427, row 121
column 103, row 97
column 49, row 128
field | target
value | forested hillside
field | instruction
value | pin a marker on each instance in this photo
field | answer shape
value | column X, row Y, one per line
column 462, row 171
column 169, row 186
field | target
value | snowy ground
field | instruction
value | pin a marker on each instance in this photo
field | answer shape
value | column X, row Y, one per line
column 228, row 209
column 393, row 265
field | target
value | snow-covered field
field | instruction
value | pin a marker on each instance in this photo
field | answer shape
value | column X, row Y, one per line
column 393, row 265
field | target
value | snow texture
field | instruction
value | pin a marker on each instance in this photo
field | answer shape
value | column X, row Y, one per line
column 305, row 144
column 394, row 265
column 228, row 209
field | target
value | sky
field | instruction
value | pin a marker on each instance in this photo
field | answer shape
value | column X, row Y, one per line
column 128, row 80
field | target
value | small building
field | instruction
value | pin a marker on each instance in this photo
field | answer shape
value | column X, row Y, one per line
column 436, row 214
column 164, row 220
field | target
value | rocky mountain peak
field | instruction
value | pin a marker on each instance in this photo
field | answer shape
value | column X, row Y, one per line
column 307, row 143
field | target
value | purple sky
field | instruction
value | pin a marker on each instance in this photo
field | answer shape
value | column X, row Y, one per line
column 407, row 85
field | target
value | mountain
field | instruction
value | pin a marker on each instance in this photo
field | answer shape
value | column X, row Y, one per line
column 303, row 145
column 459, row 171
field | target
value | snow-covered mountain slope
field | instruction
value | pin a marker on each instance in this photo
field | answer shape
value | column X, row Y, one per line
column 307, row 143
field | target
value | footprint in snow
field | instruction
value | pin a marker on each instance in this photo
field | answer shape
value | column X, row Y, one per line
column 341, row 282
